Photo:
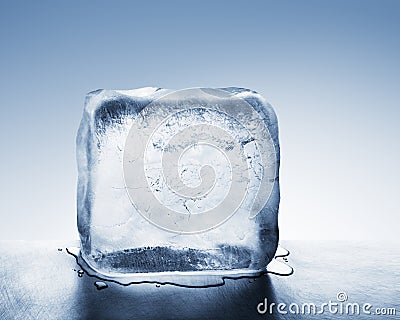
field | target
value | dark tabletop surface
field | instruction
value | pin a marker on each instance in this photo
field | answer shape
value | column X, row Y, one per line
column 39, row 281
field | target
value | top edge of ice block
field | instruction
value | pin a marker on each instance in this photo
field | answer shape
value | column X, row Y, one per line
column 99, row 100
column 95, row 98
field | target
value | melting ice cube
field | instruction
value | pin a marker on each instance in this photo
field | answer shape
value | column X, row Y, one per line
column 181, row 180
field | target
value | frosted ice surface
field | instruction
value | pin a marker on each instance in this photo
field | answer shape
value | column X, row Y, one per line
column 181, row 180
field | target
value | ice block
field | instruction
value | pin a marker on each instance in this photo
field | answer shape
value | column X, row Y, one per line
column 178, row 181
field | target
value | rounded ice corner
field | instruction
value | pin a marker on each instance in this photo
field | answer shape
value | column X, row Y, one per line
column 128, row 220
column 92, row 98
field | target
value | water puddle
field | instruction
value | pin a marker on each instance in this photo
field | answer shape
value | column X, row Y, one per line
column 278, row 266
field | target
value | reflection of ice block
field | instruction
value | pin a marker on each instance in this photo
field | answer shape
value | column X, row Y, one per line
column 178, row 181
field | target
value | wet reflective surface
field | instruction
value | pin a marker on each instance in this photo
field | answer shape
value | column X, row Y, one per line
column 40, row 282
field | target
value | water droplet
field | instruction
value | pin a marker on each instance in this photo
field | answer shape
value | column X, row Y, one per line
column 59, row 249
column 279, row 268
column 100, row 285
column 157, row 285
column 80, row 273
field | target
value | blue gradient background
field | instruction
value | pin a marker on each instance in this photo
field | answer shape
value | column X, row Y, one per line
column 330, row 68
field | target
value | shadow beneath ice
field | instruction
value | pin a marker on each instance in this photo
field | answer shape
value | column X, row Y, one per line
column 236, row 299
